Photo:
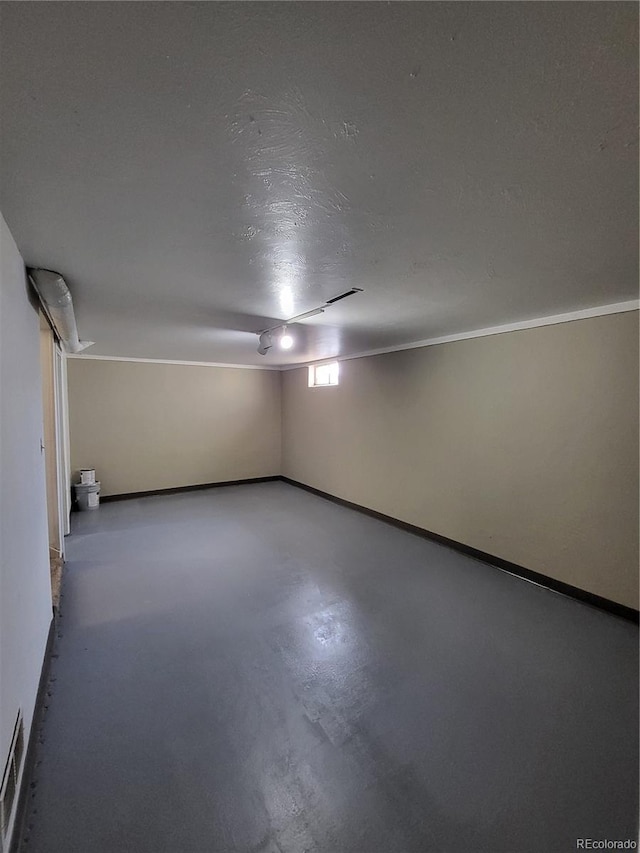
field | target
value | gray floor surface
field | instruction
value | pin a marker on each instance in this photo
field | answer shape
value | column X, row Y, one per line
column 256, row 669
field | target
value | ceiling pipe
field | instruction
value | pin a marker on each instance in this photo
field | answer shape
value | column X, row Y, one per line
column 57, row 304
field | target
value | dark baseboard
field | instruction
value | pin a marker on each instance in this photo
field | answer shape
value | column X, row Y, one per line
column 504, row 565
column 22, row 808
column 178, row 489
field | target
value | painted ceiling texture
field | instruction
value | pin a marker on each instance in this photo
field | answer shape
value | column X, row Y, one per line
column 198, row 172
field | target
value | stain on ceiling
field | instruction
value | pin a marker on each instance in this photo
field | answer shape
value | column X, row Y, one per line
column 199, row 171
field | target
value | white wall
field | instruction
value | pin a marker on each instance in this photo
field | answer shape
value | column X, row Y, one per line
column 146, row 426
column 25, row 591
column 523, row 445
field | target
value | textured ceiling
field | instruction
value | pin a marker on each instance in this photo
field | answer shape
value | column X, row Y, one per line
column 197, row 171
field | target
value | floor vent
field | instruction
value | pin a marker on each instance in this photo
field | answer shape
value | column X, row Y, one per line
column 11, row 773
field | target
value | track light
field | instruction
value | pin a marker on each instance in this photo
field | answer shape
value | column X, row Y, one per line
column 265, row 343
column 286, row 341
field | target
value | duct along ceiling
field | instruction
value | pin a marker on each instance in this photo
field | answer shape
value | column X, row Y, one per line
column 200, row 172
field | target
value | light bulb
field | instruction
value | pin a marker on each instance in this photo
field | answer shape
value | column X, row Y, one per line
column 286, row 341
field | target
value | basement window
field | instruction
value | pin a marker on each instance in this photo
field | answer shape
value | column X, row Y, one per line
column 323, row 374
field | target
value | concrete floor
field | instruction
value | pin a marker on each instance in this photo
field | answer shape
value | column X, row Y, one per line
column 256, row 669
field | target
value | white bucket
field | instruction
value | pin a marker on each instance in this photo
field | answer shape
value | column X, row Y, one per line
column 87, row 495
column 87, row 476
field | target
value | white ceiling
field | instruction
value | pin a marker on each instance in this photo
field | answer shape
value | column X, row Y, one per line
column 197, row 171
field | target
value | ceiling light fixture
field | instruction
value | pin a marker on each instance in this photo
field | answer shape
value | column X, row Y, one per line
column 286, row 341
column 265, row 343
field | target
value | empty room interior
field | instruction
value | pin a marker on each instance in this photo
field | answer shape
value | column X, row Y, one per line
column 319, row 368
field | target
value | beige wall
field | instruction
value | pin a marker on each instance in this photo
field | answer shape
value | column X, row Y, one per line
column 524, row 445
column 146, row 426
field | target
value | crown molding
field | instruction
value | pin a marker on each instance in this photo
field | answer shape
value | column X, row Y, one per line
column 81, row 357
column 552, row 320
